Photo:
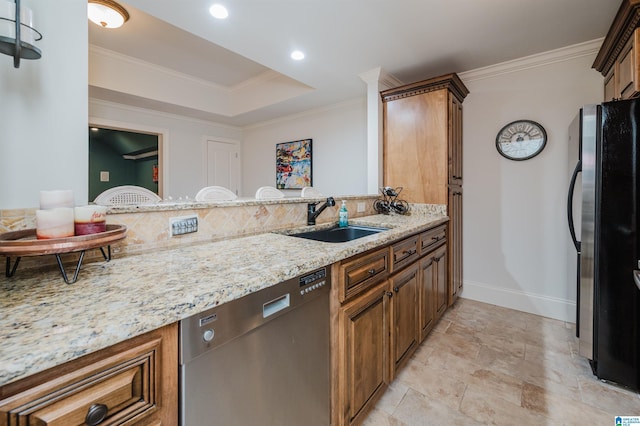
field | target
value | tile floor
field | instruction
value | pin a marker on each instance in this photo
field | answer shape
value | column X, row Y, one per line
column 485, row 364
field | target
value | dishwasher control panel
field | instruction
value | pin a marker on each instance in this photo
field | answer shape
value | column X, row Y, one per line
column 313, row 281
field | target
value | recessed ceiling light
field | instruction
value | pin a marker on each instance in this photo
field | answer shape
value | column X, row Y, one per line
column 297, row 55
column 219, row 11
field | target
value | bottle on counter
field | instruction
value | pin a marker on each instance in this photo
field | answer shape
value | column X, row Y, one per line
column 343, row 215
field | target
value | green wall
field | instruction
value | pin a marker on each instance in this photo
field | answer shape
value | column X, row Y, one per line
column 121, row 172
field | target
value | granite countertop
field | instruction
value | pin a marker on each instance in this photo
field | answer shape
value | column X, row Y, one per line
column 45, row 322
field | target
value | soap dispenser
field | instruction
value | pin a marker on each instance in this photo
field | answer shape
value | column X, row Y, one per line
column 343, row 215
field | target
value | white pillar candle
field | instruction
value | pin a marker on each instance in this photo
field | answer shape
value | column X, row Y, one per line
column 90, row 219
column 54, row 223
column 56, row 198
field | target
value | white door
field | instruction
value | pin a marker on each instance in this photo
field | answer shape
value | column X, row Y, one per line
column 223, row 165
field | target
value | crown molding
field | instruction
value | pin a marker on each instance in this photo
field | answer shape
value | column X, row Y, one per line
column 154, row 112
column 588, row 48
column 101, row 51
column 354, row 101
column 382, row 78
column 261, row 78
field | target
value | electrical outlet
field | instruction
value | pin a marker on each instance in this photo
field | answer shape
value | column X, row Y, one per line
column 361, row 207
column 183, row 225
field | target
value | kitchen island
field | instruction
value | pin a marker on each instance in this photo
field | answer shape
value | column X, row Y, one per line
column 45, row 322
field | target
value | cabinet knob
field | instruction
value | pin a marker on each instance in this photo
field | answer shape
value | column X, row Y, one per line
column 96, row 414
column 371, row 271
column 396, row 289
column 388, row 293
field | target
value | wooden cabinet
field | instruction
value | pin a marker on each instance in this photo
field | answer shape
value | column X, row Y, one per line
column 403, row 288
column 378, row 307
column 132, row 383
column 423, row 153
column 364, row 326
column 618, row 58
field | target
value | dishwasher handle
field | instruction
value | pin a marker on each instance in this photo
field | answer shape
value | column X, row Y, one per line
column 276, row 305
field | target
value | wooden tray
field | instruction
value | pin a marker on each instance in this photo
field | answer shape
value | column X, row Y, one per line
column 25, row 243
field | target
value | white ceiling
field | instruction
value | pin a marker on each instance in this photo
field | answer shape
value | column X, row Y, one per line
column 410, row 39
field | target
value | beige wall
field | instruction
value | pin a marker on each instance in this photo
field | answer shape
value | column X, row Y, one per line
column 515, row 232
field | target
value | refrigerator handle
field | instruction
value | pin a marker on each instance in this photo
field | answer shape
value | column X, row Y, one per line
column 572, row 186
column 636, row 278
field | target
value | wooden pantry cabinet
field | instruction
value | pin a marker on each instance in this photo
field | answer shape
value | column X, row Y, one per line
column 423, row 154
column 379, row 304
column 619, row 57
column 131, row 383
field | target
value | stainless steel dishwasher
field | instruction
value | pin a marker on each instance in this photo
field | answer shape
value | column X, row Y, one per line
column 262, row 359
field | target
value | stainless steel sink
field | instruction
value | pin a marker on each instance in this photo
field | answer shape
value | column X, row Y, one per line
column 339, row 235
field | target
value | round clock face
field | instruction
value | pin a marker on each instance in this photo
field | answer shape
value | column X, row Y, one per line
column 521, row 140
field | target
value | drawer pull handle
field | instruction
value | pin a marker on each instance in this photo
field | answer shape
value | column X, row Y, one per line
column 409, row 252
column 372, row 271
column 96, row 414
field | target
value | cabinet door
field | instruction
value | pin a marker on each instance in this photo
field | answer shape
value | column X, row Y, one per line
column 404, row 315
column 455, row 141
column 364, row 323
column 427, row 294
column 455, row 243
column 610, row 92
column 626, row 68
column 442, row 290
column 415, row 146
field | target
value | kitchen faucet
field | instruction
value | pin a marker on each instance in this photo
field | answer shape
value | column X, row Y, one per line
column 312, row 213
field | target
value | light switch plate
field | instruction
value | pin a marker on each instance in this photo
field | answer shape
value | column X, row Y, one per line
column 361, row 207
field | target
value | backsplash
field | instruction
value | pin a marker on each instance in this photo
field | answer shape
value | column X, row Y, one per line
column 148, row 226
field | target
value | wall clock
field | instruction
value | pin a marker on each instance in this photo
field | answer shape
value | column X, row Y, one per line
column 521, row 140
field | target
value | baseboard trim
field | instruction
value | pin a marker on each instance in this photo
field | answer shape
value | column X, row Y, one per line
column 546, row 306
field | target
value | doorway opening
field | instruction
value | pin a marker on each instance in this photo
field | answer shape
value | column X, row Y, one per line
column 124, row 157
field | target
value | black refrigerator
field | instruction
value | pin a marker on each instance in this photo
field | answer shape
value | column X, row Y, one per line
column 603, row 211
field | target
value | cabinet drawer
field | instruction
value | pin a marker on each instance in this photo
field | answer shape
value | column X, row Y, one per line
column 359, row 273
column 123, row 388
column 432, row 238
column 404, row 252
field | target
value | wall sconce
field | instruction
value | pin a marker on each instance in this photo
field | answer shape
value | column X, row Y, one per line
column 17, row 35
column 107, row 13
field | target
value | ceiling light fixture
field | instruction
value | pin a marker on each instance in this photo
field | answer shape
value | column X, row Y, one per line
column 297, row 55
column 107, row 13
column 219, row 11
column 17, row 35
